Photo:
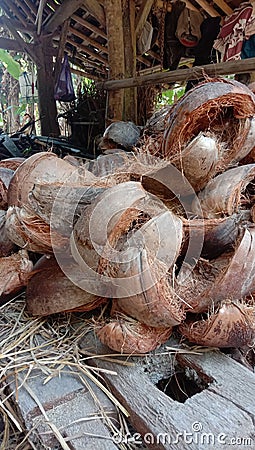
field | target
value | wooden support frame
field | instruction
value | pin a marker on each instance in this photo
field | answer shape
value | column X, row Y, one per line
column 197, row 72
column 142, row 16
column 88, row 39
column 61, row 49
column 88, row 51
column 24, row 46
column 11, row 6
column 62, row 13
column 130, row 95
column 89, row 26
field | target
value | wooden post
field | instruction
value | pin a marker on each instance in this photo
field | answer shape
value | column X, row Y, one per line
column 45, row 81
column 114, row 25
column 130, row 94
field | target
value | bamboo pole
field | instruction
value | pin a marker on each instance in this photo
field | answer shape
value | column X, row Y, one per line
column 197, row 72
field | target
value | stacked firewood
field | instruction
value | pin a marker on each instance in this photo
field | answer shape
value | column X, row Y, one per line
column 161, row 238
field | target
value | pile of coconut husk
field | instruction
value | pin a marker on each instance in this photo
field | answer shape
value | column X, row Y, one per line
column 161, row 238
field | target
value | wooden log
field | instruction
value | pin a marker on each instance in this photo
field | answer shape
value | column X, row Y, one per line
column 197, row 72
column 61, row 49
column 115, row 33
column 68, row 7
column 130, row 98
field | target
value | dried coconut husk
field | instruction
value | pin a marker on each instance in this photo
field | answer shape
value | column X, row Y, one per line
column 7, row 247
column 49, row 291
column 5, row 179
column 225, row 194
column 231, row 275
column 15, row 271
column 109, row 163
column 43, row 167
column 142, row 284
column 126, row 335
column 118, row 208
column 218, row 106
column 218, row 235
column 29, row 231
column 11, row 163
column 232, row 325
column 60, row 206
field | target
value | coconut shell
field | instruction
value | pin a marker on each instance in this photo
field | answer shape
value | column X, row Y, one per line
column 219, row 106
column 125, row 335
column 5, row 179
column 217, row 235
column 222, row 195
column 232, row 275
column 43, row 167
column 233, row 325
column 29, row 231
column 7, row 247
column 60, row 206
column 49, row 291
column 15, row 271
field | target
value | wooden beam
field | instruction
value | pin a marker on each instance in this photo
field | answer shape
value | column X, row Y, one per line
column 63, row 12
column 88, row 51
column 39, row 16
column 95, row 10
column 10, row 44
column 24, row 46
column 31, row 6
column 81, row 73
column 224, row 7
column 130, row 95
column 61, row 49
column 11, row 7
column 29, row 29
column 115, row 33
column 28, row 12
column 197, row 72
column 88, row 40
column 208, row 8
column 89, row 26
column 142, row 15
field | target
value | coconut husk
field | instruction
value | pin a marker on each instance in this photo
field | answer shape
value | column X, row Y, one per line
column 29, row 231
column 126, row 335
column 7, row 247
column 217, row 106
column 232, row 275
column 44, row 167
column 224, row 195
column 5, row 179
column 60, row 206
column 232, row 325
column 217, row 235
column 109, row 163
column 50, row 291
column 15, row 271
column 11, row 163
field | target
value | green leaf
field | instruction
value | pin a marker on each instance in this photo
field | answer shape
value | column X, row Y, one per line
column 12, row 66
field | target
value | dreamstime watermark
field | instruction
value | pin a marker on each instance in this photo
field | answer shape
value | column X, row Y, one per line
column 195, row 435
column 148, row 253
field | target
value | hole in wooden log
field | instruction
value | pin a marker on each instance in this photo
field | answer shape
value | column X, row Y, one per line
column 182, row 385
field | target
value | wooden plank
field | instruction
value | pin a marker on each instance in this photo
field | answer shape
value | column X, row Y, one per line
column 142, row 15
column 84, row 74
column 39, row 16
column 163, row 422
column 197, row 72
column 28, row 12
column 115, row 33
column 18, row 25
column 89, row 26
column 88, row 40
column 95, row 10
column 224, row 7
column 64, row 11
column 88, row 51
column 208, row 8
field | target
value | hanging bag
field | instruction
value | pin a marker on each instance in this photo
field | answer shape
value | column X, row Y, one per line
column 64, row 91
column 188, row 27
